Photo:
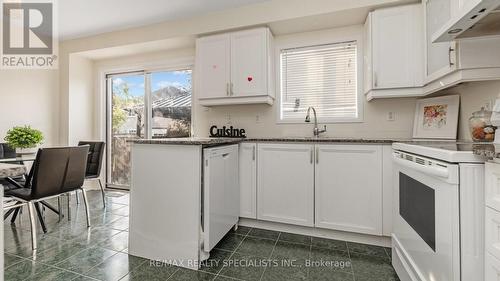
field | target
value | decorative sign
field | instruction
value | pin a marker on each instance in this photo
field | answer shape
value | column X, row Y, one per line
column 227, row 132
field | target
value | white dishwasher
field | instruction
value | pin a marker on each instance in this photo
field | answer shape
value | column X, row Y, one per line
column 221, row 193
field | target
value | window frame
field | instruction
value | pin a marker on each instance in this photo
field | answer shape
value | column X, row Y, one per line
column 322, row 38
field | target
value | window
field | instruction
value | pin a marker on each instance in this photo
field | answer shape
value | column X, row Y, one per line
column 322, row 76
column 144, row 104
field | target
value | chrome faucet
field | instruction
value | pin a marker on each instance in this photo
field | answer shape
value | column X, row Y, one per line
column 316, row 131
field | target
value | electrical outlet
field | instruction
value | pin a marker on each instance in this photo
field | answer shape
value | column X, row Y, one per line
column 257, row 119
column 391, row 116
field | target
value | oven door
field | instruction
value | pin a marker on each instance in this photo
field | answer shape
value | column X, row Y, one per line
column 425, row 219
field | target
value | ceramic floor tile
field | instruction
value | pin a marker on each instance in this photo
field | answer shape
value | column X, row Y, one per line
column 329, row 244
column 242, row 230
column 245, row 267
column 183, row 274
column 295, row 238
column 325, row 274
column 260, row 247
column 230, row 242
column 51, row 274
column 372, row 268
column 120, row 224
column 286, row 271
column 59, row 253
column 216, row 261
column 333, row 260
column 23, row 270
column 150, row 272
column 11, row 260
column 263, row 233
column 118, row 242
column 366, row 249
column 85, row 260
column 291, row 250
column 115, row 267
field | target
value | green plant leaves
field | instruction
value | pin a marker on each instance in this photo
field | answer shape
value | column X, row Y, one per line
column 23, row 137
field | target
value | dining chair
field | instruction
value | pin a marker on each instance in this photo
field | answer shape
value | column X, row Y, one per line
column 94, row 164
column 56, row 171
column 6, row 151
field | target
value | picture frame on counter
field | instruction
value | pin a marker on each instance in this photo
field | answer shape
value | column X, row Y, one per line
column 436, row 118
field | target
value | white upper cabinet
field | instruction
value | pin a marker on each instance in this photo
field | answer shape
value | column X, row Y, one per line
column 249, row 62
column 451, row 63
column 394, row 54
column 213, row 66
column 285, row 188
column 248, row 180
column 440, row 57
column 348, row 188
column 234, row 68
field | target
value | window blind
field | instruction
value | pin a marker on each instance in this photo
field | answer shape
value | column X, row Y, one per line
column 322, row 76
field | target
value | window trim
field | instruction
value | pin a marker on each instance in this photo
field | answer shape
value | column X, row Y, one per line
column 298, row 41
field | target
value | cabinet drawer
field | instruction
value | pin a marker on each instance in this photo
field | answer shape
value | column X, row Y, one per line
column 492, row 185
column 492, row 268
column 492, row 229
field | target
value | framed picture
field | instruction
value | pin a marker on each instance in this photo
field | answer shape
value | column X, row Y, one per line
column 436, row 118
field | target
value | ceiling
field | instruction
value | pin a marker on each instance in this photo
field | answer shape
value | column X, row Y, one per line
column 79, row 18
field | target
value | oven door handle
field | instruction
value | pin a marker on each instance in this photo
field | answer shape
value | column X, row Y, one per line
column 434, row 170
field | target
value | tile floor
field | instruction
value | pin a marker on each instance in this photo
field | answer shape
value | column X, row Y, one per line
column 70, row 251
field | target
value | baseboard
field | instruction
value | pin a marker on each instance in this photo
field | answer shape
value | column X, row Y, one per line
column 384, row 241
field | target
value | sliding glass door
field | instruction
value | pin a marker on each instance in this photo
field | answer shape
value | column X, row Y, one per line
column 144, row 105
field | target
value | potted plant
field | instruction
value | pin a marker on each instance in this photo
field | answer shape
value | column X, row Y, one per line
column 24, row 139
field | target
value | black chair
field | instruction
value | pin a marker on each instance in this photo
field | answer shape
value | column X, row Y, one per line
column 56, row 171
column 6, row 151
column 94, row 164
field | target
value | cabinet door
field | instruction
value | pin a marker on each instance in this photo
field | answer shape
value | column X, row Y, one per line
column 396, row 45
column 349, row 188
column 248, row 180
column 285, row 183
column 492, row 268
column 440, row 57
column 213, row 66
column 492, row 185
column 249, row 62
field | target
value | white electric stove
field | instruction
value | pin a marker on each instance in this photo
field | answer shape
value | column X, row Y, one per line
column 438, row 231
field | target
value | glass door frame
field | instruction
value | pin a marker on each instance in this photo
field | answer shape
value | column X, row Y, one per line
column 148, row 109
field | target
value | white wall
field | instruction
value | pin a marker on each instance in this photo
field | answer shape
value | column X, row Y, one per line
column 81, row 100
column 261, row 120
column 30, row 97
column 473, row 96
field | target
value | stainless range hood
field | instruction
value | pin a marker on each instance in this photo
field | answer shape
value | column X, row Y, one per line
column 482, row 20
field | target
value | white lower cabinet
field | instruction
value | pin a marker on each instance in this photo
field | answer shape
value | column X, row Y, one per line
column 348, row 188
column 285, row 185
column 492, row 268
column 248, row 180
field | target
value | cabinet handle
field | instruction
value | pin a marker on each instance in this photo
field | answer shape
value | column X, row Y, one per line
column 253, row 153
column 450, row 49
column 317, row 155
column 375, row 82
column 227, row 89
column 311, row 156
column 231, row 93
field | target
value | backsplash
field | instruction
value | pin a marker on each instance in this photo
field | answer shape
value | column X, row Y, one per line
column 261, row 120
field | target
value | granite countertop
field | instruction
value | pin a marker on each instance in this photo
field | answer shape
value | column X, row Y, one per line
column 489, row 150
column 324, row 140
column 221, row 141
column 205, row 142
